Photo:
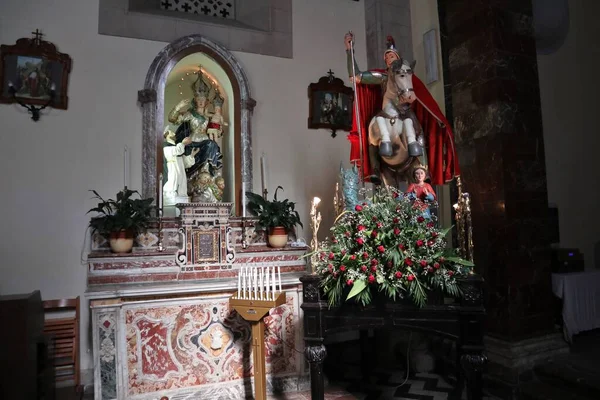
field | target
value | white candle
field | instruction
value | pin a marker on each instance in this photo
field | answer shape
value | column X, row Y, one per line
column 255, row 273
column 239, row 288
column 126, row 167
column 160, row 191
column 243, row 199
column 243, row 282
column 267, row 283
column 274, row 282
column 261, row 282
column 279, row 276
column 263, row 172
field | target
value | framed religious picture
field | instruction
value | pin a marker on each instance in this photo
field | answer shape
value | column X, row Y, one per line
column 330, row 104
column 33, row 72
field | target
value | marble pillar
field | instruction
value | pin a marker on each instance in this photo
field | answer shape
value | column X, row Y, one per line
column 494, row 102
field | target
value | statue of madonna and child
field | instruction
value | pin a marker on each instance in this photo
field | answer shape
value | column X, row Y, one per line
column 193, row 160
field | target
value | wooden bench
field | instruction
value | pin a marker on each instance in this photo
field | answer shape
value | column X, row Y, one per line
column 62, row 323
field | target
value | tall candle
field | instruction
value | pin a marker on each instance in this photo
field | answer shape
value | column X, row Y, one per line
column 239, row 288
column 263, row 172
column 255, row 273
column 243, row 199
column 274, row 282
column 243, row 282
column 267, row 283
column 279, row 276
column 126, row 167
column 261, row 281
column 160, row 191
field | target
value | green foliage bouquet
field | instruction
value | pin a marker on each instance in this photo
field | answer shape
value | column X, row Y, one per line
column 388, row 245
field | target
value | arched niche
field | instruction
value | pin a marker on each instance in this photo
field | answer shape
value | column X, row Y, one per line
column 152, row 102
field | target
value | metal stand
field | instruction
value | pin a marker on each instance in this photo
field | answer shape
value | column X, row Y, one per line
column 254, row 311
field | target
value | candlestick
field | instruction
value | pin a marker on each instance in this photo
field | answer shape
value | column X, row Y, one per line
column 263, row 173
column 125, row 167
column 315, row 222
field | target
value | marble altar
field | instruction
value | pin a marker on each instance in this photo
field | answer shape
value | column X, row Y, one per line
column 161, row 324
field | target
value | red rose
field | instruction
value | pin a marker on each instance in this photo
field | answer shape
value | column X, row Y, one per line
column 389, row 264
column 379, row 225
column 410, row 278
column 420, row 219
column 434, row 234
column 361, row 228
column 381, row 249
column 374, row 233
column 408, row 261
column 430, row 243
column 395, row 195
column 349, row 282
column 344, row 252
column 430, row 269
column 353, row 257
column 322, row 256
column 363, row 268
column 430, row 224
column 423, row 263
column 360, row 241
column 330, row 267
column 420, row 243
column 347, row 234
column 374, row 218
column 401, row 246
column 331, row 256
column 374, row 262
column 358, row 208
column 334, row 240
column 442, row 259
column 396, row 231
column 436, row 265
column 371, row 279
column 335, row 274
column 450, row 273
column 365, row 255
column 396, row 220
column 342, row 268
column 398, row 274
column 374, row 268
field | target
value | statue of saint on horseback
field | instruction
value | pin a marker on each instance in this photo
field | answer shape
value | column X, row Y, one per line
column 395, row 119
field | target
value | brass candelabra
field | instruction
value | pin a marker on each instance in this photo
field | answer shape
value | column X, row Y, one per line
column 464, row 223
column 315, row 222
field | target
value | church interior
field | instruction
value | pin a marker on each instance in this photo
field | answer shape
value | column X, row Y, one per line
column 296, row 199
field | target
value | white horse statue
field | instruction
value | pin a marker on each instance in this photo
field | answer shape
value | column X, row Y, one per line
column 395, row 135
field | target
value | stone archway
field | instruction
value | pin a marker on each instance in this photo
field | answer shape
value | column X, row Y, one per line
column 151, row 99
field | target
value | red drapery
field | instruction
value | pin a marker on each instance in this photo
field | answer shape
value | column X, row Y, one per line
column 369, row 103
column 441, row 154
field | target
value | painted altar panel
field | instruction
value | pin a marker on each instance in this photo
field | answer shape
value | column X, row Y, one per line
column 186, row 345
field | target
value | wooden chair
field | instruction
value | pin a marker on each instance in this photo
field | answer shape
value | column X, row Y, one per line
column 65, row 331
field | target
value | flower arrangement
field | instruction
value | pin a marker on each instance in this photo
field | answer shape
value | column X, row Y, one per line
column 388, row 245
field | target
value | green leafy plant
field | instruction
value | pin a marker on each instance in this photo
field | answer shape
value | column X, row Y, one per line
column 124, row 213
column 273, row 213
column 388, row 245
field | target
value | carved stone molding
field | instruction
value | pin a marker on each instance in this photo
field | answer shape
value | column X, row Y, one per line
column 146, row 96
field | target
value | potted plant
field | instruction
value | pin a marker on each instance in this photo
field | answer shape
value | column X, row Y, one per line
column 122, row 219
column 277, row 217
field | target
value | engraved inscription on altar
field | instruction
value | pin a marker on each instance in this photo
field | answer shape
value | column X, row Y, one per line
column 206, row 246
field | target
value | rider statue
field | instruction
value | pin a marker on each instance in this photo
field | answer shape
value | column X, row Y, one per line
column 393, row 106
column 423, row 122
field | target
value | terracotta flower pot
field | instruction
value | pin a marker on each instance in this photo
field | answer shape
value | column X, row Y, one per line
column 121, row 241
column 278, row 237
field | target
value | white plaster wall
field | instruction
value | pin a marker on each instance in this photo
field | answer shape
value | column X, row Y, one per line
column 569, row 86
column 49, row 166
